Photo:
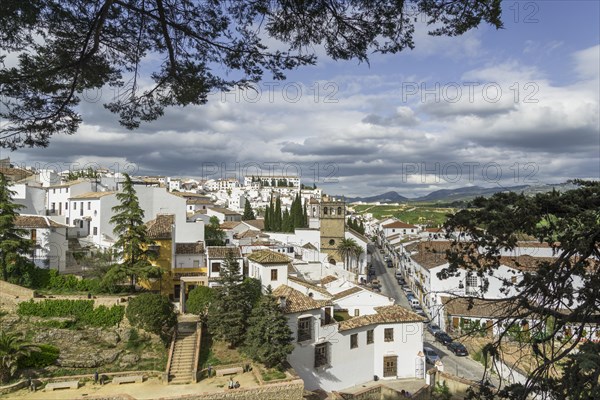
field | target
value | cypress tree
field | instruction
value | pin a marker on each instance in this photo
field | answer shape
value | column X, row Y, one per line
column 248, row 212
column 267, row 218
column 277, row 217
column 305, row 215
column 228, row 312
column 269, row 338
column 287, row 224
column 132, row 243
column 13, row 245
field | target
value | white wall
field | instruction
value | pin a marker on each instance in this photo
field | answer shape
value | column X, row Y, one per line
column 364, row 301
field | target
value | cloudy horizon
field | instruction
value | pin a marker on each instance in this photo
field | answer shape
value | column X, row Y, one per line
column 503, row 108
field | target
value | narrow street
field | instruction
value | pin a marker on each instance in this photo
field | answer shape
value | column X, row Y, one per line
column 464, row 367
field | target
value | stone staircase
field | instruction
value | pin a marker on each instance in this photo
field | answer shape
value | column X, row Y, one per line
column 184, row 354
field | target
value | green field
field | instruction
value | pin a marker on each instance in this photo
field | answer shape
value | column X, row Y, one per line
column 409, row 213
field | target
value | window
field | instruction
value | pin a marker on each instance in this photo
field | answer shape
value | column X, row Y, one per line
column 370, row 336
column 95, row 230
column 321, row 355
column 325, row 210
column 331, row 242
column 339, row 210
column 81, row 224
column 356, row 312
column 53, row 207
column 513, row 279
column 354, row 340
column 388, row 335
column 89, row 205
column 66, row 205
column 304, row 329
column 215, row 267
column 74, row 205
column 53, row 191
column 67, row 221
column 81, row 205
column 196, row 263
column 273, row 274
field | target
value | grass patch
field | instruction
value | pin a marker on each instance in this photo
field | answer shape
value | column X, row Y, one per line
column 272, row 374
column 341, row 316
column 216, row 352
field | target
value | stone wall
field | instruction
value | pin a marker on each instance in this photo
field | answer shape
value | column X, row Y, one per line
column 278, row 391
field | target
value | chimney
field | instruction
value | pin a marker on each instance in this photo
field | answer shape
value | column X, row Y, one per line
column 282, row 302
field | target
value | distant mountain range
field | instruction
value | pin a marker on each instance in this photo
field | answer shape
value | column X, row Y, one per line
column 459, row 194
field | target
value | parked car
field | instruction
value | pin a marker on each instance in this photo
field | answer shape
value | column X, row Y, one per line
column 390, row 264
column 399, row 274
column 382, row 251
column 375, row 283
column 458, row 349
column 443, row 338
column 401, row 282
column 433, row 329
column 430, row 355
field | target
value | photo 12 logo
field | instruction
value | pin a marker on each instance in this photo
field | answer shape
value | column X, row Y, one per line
column 453, row 92
column 453, row 172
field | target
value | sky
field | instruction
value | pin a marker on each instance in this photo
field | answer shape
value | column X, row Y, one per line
column 517, row 106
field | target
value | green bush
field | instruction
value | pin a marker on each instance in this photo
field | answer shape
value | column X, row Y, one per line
column 39, row 359
column 82, row 310
column 153, row 313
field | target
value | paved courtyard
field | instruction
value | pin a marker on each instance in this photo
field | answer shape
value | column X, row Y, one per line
column 151, row 389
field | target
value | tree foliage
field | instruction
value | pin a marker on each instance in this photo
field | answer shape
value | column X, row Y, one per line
column 228, row 312
column 269, row 338
column 559, row 295
column 198, row 301
column 133, row 243
column 157, row 53
column 153, row 313
column 12, row 351
column 248, row 212
column 213, row 234
column 14, row 266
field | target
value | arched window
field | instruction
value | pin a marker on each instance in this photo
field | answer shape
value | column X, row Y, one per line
column 314, row 211
column 332, row 261
column 324, row 210
column 339, row 210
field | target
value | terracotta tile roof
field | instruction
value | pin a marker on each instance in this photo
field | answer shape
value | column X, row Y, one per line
column 328, row 279
column 525, row 262
column 399, row 224
column 476, row 307
column 225, row 211
column 248, row 234
column 295, row 301
column 257, row 223
column 385, row 315
column 66, row 184
column 309, row 246
column 347, row 292
column 92, row 195
column 309, row 285
column 36, row 221
column 161, row 227
column 430, row 254
column 222, row 251
column 268, row 257
column 15, row 174
column 358, row 235
column 229, row 224
column 189, row 248
column 198, row 201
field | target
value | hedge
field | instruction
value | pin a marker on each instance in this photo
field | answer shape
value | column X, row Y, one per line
column 82, row 310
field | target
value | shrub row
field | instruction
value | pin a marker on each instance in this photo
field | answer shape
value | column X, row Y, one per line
column 82, row 310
